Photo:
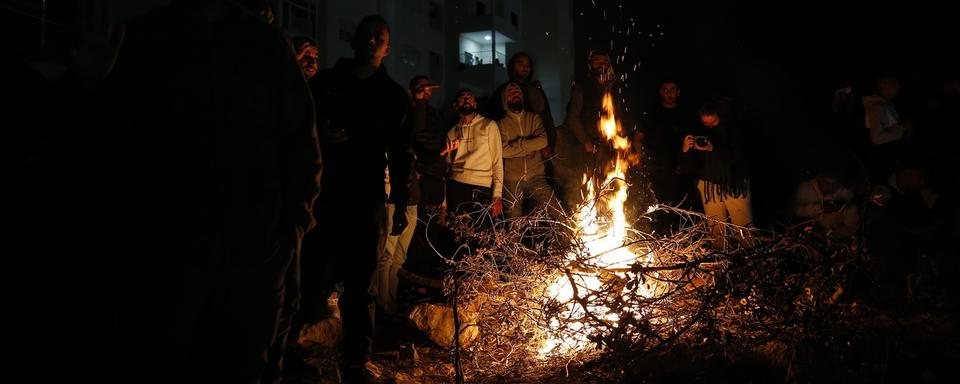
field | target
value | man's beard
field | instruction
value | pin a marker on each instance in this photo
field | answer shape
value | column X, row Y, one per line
column 467, row 110
column 515, row 106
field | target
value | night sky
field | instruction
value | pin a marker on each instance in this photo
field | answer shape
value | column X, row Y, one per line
column 709, row 42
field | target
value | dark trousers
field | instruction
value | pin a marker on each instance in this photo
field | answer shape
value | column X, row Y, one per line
column 432, row 191
column 284, row 336
column 342, row 248
column 466, row 198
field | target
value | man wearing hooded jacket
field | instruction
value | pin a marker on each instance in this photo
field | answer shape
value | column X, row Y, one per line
column 520, row 69
column 360, row 114
column 523, row 138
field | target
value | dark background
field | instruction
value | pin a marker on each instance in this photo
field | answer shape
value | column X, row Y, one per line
column 780, row 62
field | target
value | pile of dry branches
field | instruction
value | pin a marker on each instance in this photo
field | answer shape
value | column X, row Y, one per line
column 691, row 287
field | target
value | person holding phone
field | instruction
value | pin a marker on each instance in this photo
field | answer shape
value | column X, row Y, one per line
column 724, row 181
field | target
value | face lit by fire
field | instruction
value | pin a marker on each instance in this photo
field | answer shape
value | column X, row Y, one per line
column 514, row 97
column 710, row 120
column 466, row 103
column 599, row 65
column 522, row 67
column 420, row 86
column 307, row 56
column 669, row 93
column 372, row 42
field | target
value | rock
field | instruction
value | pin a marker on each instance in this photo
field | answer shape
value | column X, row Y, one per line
column 402, row 378
column 374, row 370
column 326, row 333
column 436, row 321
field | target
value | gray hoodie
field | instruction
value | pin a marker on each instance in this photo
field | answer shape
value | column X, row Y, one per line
column 523, row 137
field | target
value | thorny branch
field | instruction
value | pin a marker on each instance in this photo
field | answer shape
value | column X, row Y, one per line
column 683, row 289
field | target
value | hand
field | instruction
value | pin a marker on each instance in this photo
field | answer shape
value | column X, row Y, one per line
column 96, row 51
column 452, row 145
column 424, row 91
column 399, row 220
column 688, row 142
column 589, row 147
column 497, row 207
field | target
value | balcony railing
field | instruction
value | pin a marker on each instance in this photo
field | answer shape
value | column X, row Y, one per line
column 483, row 58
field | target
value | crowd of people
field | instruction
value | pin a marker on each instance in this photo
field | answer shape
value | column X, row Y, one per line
column 202, row 236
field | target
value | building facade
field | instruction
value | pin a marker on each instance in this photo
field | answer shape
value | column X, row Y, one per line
column 458, row 43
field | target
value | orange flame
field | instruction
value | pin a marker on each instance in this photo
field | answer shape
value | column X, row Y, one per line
column 604, row 233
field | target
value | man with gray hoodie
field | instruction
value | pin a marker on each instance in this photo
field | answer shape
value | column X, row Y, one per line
column 523, row 137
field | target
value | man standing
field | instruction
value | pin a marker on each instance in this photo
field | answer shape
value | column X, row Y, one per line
column 520, row 71
column 205, row 176
column 662, row 129
column 426, row 189
column 477, row 165
column 587, row 153
column 360, row 113
column 523, row 139
column 429, row 145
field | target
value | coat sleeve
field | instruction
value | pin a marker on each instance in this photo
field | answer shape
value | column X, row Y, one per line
column 399, row 153
column 496, row 157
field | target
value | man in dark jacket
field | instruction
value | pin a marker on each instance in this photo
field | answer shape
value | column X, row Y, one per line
column 206, row 164
column 662, row 135
column 585, row 150
column 360, row 114
column 429, row 141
